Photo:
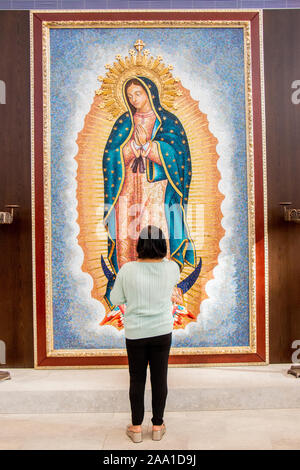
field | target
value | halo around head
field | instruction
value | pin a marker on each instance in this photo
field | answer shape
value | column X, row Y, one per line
column 138, row 63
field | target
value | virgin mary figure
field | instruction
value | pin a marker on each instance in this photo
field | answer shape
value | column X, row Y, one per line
column 146, row 166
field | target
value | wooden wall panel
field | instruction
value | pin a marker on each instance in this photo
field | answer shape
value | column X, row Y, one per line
column 16, row 319
column 282, row 67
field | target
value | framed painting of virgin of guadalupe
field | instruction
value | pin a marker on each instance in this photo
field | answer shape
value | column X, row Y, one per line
column 138, row 121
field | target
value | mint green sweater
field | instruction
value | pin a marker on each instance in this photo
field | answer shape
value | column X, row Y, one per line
column 146, row 289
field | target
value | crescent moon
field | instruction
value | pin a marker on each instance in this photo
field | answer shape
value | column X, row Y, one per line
column 184, row 285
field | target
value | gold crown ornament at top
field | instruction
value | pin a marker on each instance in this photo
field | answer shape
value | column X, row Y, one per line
column 139, row 62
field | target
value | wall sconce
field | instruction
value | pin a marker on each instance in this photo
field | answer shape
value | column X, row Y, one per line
column 294, row 370
column 7, row 217
column 4, row 375
column 290, row 215
column 2, row 92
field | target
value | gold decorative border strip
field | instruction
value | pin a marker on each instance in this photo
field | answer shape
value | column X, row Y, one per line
column 250, row 177
column 47, row 188
column 47, row 182
column 265, row 189
column 250, row 188
column 175, row 366
column 173, row 351
column 146, row 24
column 33, row 192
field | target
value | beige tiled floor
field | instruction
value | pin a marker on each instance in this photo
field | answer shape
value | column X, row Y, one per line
column 249, row 429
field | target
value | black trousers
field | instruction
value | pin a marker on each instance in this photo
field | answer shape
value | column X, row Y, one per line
column 155, row 351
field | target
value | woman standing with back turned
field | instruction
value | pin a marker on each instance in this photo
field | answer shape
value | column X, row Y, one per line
column 146, row 287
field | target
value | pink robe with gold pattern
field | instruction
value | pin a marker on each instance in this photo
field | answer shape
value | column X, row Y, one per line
column 140, row 202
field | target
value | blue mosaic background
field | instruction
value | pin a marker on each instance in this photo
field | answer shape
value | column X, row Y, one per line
column 78, row 56
column 145, row 4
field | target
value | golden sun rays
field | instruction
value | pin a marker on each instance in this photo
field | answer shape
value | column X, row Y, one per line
column 204, row 205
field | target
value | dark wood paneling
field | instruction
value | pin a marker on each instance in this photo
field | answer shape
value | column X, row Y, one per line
column 282, row 67
column 16, row 318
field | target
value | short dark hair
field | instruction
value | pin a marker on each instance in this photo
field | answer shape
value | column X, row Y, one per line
column 151, row 243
